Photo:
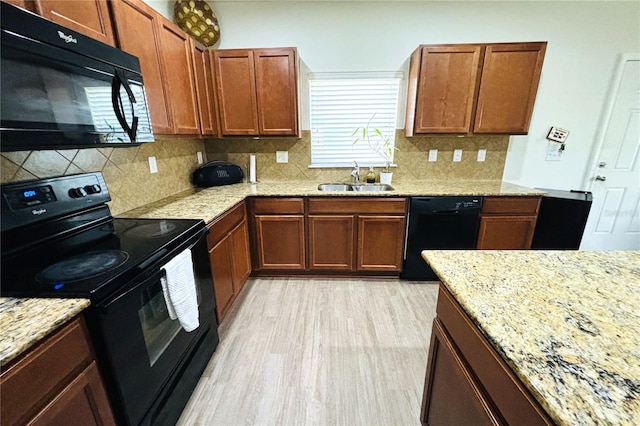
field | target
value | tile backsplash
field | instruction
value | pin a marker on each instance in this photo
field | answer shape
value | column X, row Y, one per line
column 126, row 170
column 411, row 158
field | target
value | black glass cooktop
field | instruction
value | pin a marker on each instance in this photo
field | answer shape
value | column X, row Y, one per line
column 91, row 263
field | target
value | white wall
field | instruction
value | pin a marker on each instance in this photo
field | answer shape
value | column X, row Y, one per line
column 585, row 40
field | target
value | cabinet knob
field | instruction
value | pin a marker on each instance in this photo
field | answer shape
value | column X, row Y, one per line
column 601, row 178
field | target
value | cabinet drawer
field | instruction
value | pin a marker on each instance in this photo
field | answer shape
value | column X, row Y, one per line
column 25, row 386
column 278, row 206
column 361, row 205
column 510, row 205
column 513, row 400
column 220, row 227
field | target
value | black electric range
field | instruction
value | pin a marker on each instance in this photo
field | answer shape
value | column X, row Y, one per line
column 60, row 240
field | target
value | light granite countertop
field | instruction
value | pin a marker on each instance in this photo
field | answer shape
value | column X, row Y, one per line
column 209, row 203
column 24, row 322
column 567, row 322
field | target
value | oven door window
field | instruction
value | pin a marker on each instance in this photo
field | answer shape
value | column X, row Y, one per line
column 158, row 329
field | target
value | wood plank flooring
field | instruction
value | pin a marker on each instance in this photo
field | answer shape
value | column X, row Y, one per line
column 319, row 352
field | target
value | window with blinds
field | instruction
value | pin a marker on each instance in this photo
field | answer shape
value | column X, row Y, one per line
column 341, row 104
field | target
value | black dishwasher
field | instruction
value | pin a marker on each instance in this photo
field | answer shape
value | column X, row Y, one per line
column 438, row 223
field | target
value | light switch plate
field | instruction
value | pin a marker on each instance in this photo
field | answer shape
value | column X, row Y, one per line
column 554, row 153
column 482, row 155
column 457, row 155
column 200, row 160
column 433, row 155
column 282, row 156
column 153, row 165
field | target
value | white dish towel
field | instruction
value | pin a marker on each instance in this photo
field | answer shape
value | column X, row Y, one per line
column 179, row 288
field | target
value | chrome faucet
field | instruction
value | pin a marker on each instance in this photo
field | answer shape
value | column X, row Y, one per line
column 355, row 173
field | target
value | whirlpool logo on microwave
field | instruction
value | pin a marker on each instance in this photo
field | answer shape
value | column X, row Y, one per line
column 38, row 212
column 67, row 38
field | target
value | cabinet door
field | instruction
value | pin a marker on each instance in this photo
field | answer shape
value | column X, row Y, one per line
column 240, row 255
column 204, row 88
column 24, row 4
column 380, row 243
column 236, row 89
column 510, row 77
column 277, row 91
column 280, row 242
column 90, row 18
column 138, row 35
column 451, row 394
column 331, row 242
column 506, row 232
column 178, row 78
column 222, row 271
column 83, row 401
column 446, row 88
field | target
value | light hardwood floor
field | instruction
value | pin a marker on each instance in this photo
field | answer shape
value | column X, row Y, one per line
column 319, row 352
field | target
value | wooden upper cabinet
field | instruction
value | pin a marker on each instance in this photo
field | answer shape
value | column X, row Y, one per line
column 257, row 91
column 137, row 33
column 236, row 85
column 179, row 78
column 473, row 88
column 510, row 77
column 203, row 74
column 446, row 87
column 166, row 61
column 91, row 18
column 277, row 89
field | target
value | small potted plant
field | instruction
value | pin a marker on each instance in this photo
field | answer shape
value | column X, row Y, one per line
column 380, row 144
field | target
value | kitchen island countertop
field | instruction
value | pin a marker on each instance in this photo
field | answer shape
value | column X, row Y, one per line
column 24, row 322
column 566, row 322
column 209, row 203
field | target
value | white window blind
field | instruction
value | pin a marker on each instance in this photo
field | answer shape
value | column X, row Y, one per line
column 341, row 104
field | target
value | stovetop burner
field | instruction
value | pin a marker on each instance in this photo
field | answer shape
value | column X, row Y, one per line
column 82, row 267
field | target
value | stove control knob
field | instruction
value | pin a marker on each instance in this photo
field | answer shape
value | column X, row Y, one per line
column 77, row 192
column 93, row 189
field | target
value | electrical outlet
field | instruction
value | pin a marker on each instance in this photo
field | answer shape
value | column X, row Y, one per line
column 433, row 155
column 200, row 160
column 482, row 155
column 282, row 156
column 457, row 155
column 153, row 165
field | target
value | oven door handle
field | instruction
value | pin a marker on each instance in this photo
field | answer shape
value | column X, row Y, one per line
column 158, row 275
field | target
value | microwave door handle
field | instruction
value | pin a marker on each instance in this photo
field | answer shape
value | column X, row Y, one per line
column 119, row 80
column 131, row 131
column 117, row 102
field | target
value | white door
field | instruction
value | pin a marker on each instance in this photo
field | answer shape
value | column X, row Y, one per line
column 614, row 220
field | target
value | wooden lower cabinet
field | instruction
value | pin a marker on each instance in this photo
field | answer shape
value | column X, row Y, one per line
column 280, row 242
column 467, row 382
column 229, row 255
column 358, row 235
column 454, row 397
column 331, row 242
column 380, row 243
column 507, row 223
column 56, row 383
column 506, row 232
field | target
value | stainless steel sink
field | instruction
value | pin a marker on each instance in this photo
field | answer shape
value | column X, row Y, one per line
column 335, row 187
column 372, row 187
column 362, row 187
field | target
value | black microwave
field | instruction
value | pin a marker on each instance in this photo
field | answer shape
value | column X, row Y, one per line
column 63, row 90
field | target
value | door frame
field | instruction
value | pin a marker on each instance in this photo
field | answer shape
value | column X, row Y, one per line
column 596, row 151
